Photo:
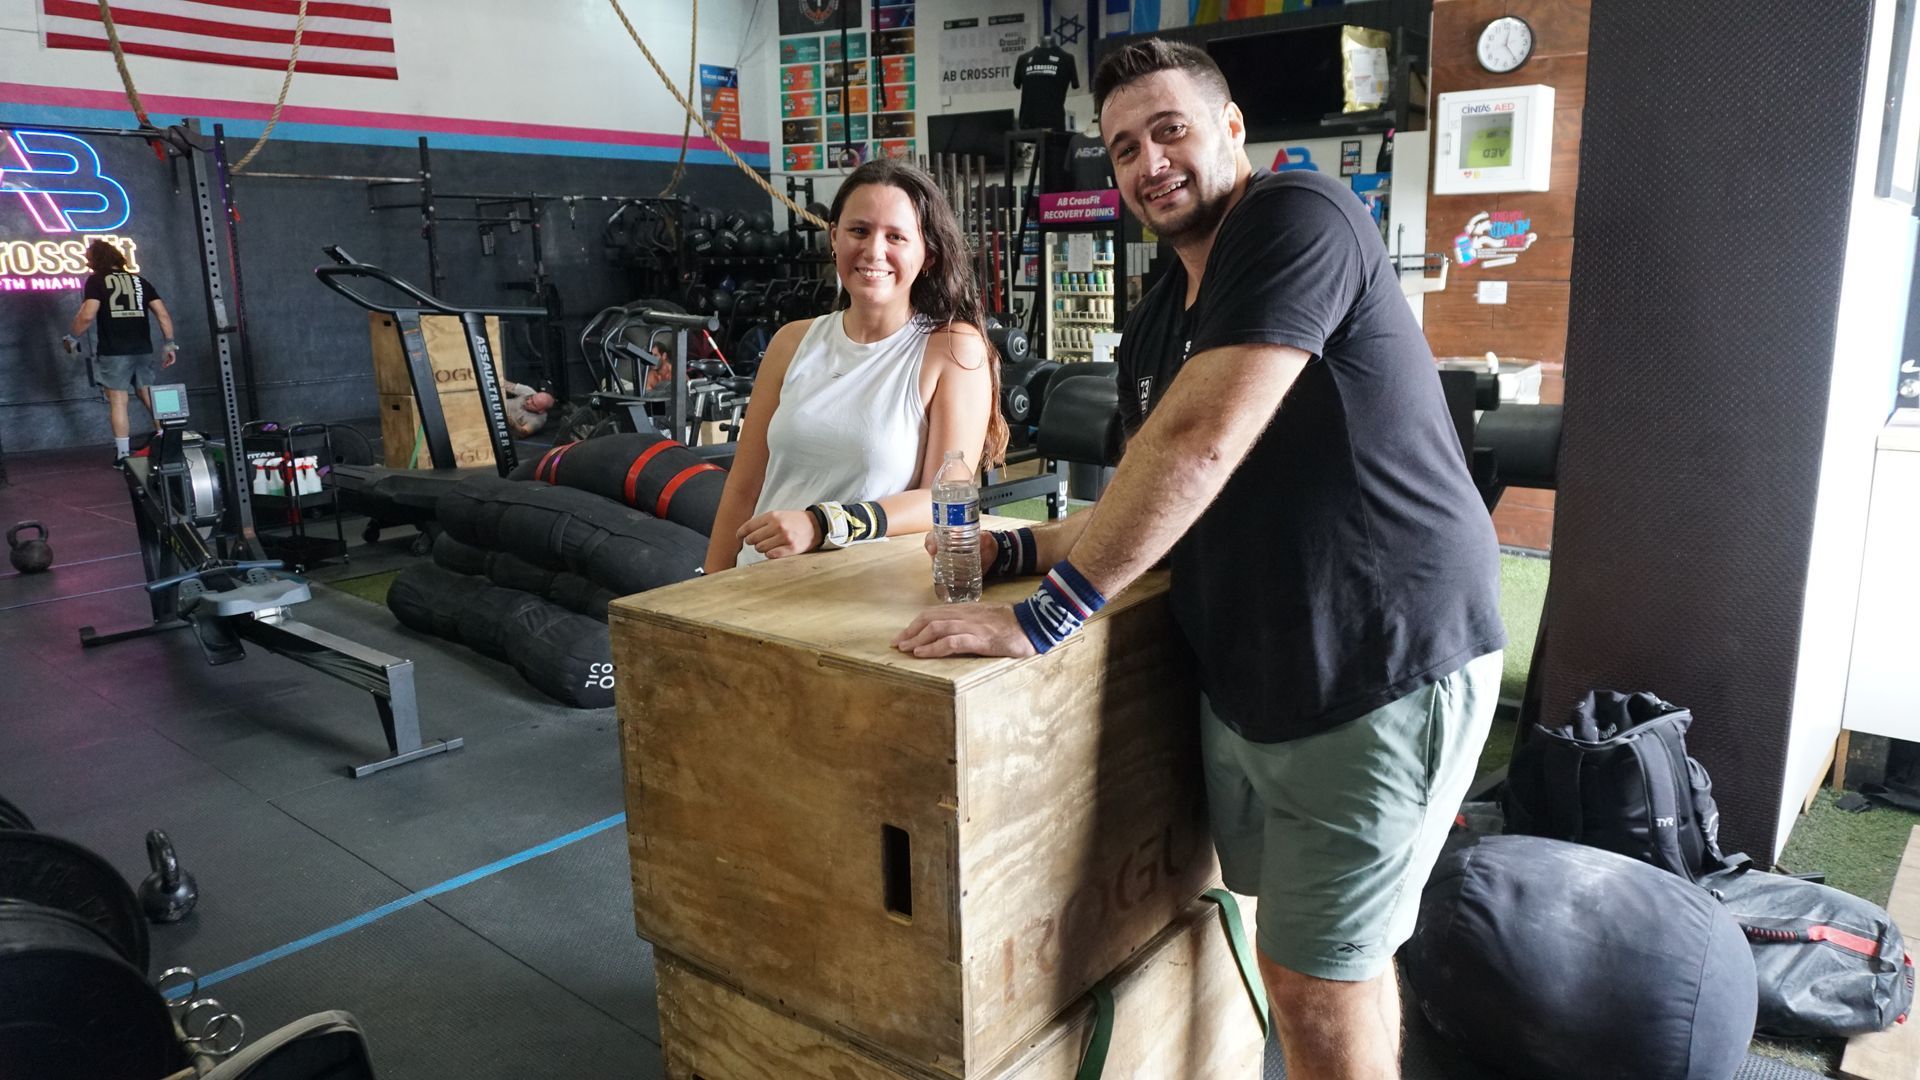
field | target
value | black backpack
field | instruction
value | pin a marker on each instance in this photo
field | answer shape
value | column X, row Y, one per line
column 1617, row 776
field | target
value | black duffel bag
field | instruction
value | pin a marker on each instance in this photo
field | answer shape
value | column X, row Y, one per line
column 1829, row 963
column 1617, row 776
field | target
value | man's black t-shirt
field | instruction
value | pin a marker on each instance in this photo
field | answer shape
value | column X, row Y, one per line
column 122, row 320
column 1349, row 559
column 1042, row 76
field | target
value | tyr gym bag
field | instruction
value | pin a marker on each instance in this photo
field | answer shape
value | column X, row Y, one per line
column 1829, row 963
column 1617, row 776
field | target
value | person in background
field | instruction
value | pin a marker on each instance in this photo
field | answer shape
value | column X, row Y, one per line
column 853, row 412
column 526, row 407
column 122, row 302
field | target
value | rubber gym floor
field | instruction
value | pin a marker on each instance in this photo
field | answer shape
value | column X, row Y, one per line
column 472, row 910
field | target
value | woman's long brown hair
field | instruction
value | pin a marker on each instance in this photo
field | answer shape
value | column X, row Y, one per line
column 944, row 293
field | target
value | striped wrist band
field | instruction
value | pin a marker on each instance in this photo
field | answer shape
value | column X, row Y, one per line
column 1062, row 604
column 1018, row 554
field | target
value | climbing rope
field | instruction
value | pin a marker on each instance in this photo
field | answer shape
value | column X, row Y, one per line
column 140, row 110
column 694, row 114
column 686, row 121
column 293, row 61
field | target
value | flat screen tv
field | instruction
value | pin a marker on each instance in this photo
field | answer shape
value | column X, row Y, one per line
column 1282, row 80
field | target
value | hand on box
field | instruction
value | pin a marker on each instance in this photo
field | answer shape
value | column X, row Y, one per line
column 777, row 534
column 965, row 630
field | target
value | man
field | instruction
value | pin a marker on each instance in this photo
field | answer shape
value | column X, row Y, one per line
column 1333, row 567
column 125, row 345
column 526, row 408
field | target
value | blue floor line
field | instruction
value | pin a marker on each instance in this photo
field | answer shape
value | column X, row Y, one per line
column 407, row 901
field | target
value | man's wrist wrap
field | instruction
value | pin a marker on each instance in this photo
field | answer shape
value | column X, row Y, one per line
column 1062, row 604
column 1018, row 555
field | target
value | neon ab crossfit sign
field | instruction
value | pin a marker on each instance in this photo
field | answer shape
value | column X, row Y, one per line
column 67, row 197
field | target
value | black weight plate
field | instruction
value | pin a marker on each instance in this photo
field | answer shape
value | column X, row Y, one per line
column 12, row 817
column 56, row 873
column 71, row 1008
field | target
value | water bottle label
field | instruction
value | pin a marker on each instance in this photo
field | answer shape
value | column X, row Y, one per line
column 956, row 514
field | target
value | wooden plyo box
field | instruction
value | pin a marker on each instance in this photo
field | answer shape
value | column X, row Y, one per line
column 1181, row 1011
column 446, row 342
column 466, row 428
column 929, row 858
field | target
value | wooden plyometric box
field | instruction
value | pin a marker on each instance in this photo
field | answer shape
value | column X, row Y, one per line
column 930, row 858
column 466, row 428
column 1181, row 1011
column 446, row 342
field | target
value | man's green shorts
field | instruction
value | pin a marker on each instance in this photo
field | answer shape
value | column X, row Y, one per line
column 1337, row 832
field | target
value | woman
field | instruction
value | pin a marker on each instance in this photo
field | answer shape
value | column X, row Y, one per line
column 853, row 412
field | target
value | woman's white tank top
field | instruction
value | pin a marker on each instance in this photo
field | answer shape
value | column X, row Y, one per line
column 850, row 426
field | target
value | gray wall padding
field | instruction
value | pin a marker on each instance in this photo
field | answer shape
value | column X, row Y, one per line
column 1712, row 214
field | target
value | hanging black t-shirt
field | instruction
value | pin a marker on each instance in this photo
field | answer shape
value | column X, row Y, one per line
column 1349, row 560
column 121, row 323
column 1042, row 76
column 1089, row 166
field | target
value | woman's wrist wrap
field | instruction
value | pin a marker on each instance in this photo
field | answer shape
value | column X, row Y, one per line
column 841, row 524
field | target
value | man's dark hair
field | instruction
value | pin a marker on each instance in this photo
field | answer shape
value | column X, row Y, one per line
column 104, row 258
column 1139, row 59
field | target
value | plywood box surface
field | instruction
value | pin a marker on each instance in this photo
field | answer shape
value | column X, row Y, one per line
column 930, row 858
column 466, row 428
column 446, row 344
column 1181, row 1011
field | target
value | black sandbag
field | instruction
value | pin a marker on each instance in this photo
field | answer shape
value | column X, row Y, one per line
column 459, row 556
column 485, row 615
column 671, row 481
column 429, row 598
column 1544, row 958
column 558, row 528
column 509, row 571
column 566, row 655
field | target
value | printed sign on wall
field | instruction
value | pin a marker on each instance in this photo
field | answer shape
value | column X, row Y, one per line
column 1494, row 238
column 720, row 100
column 814, row 16
column 977, row 55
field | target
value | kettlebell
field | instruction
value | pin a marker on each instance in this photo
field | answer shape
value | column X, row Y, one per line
column 169, row 893
column 29, row 556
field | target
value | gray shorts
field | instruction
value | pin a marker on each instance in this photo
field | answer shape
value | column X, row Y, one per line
column 125, row 372
column 1336, row 833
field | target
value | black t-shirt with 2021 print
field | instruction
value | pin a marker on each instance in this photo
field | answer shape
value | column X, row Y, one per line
column 122, row 323
column 1349, row 560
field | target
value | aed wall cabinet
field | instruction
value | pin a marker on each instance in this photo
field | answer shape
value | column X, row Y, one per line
column 1493, row 140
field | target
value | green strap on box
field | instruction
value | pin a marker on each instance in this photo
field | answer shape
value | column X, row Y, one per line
column 1094, row 1061
column 1243, row 953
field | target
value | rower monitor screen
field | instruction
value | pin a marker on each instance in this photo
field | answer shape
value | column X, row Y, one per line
column 1486, row 141
column 170, row 402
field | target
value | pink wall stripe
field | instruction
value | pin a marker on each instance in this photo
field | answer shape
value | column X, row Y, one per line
column 24, row 94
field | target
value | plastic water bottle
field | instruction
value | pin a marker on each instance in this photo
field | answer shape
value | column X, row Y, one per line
column 956, row 528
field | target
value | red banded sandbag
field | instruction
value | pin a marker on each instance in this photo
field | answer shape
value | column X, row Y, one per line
column 648, row 472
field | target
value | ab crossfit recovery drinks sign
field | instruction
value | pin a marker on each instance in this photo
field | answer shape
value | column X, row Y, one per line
column 977, row 55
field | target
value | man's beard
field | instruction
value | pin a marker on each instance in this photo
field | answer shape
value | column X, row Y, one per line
column 1209, row 205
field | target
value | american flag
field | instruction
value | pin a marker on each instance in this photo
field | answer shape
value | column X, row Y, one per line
column 340, row 38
